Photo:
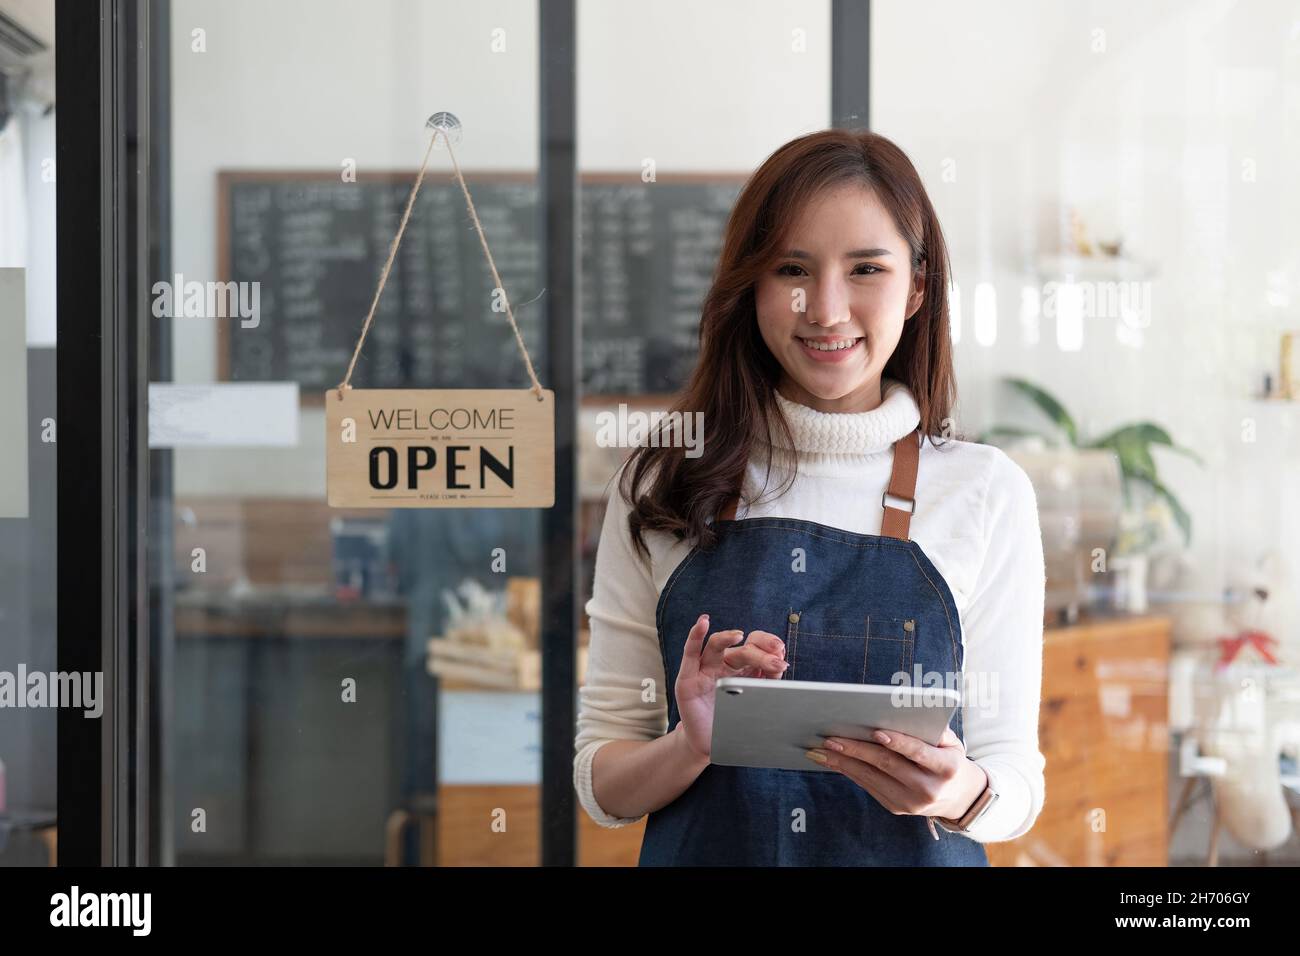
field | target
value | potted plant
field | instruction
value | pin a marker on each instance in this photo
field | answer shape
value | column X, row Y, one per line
column 1148, row 509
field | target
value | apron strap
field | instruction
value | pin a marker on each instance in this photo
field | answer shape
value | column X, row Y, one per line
column 902, row 485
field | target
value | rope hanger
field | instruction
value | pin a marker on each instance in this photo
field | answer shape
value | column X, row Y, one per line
column 440, row 122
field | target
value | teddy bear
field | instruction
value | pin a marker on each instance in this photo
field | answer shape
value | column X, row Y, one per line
column 1235, row 661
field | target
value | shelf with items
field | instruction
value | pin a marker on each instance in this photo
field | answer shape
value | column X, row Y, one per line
column 499, row 653
column 1094, row 268
column 462, row 666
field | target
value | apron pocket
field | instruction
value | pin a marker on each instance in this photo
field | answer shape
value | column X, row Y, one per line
column 846, row 647
column 890, row 649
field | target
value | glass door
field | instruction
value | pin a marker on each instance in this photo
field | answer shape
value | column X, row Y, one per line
column 347, row 685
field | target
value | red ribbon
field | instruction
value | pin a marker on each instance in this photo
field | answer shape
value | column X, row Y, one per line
column 1229, row 647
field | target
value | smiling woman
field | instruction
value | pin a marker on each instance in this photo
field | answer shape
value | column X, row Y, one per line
column 825, row 360
column 833, row 308
column 832, row 239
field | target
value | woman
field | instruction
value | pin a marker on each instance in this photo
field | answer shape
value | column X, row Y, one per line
column 825, row 365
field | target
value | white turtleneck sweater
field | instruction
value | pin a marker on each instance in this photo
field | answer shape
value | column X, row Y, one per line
column 976, row 519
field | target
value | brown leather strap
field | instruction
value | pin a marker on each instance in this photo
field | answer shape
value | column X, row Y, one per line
column 902, row 484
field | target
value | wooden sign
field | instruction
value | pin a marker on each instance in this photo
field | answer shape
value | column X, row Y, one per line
column 440, row 448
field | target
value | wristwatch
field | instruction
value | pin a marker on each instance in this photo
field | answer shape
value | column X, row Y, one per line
column 977, row 810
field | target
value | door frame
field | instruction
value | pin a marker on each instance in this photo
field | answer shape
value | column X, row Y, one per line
column 102, row 192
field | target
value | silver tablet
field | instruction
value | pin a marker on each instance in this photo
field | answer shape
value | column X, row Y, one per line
column 770, row 723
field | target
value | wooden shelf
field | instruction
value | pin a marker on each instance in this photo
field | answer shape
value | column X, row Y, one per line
column 467, row 666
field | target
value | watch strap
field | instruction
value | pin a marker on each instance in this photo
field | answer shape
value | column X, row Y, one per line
column 977, row 810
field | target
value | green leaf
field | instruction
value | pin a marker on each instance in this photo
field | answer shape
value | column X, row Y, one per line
column 1142, row 431
column 1134, row 455
column 1048, row 406
column 1009, row 431
column 1146, row 432
column 1180, row 513
column 1189, row 453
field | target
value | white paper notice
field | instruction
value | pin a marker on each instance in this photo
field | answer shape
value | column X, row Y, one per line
column 13, row 394
column 225, row 415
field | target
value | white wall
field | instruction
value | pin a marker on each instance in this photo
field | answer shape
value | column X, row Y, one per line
column 1150, row 127
column 302, row 84
column 714, row 85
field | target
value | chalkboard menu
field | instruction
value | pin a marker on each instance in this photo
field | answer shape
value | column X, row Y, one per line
column 648, row 254
column 316, row 246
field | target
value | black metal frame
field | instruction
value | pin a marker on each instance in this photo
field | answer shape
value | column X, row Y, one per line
column 558, row 175
column 162, row 571
column 79, row 216
column 101, row 146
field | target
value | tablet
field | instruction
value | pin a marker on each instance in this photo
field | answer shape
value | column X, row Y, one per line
column 770, row 723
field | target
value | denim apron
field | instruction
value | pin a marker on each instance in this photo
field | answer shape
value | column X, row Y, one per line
column 855, row 608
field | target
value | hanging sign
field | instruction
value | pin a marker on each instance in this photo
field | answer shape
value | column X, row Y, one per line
column 440, row 448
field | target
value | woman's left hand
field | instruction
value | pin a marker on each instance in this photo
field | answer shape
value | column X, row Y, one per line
column 908, row 775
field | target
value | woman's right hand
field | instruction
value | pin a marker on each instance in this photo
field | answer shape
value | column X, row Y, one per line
column 704, row 661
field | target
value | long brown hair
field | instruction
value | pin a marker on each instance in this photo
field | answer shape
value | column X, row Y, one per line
column 733, row 382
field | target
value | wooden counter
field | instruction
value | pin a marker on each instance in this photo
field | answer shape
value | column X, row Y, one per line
column 1104, row 733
